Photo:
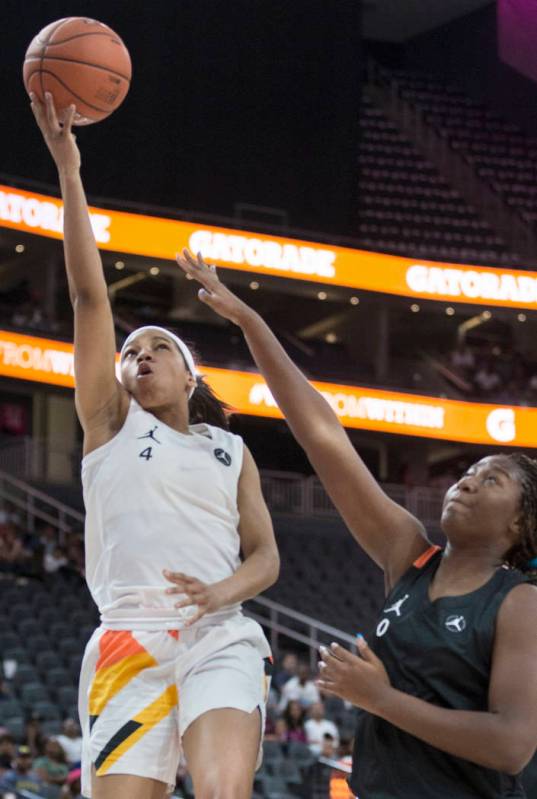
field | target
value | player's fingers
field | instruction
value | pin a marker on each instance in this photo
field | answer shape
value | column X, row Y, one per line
column 328, row 654
column 69, row 119
column 365, row 652
column 52, row 117
column 176, row 575
column 326, row 686
column 39, row 114
column 194, row 619
column 341, row 653
column 186, row 266
column 207, row 297
column 186, row 603
column 187, row 255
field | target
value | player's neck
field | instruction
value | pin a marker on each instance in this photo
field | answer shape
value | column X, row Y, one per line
column 174, row 417
column 475, row 559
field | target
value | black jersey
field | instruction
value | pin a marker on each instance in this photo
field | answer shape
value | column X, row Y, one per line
column 441, row 652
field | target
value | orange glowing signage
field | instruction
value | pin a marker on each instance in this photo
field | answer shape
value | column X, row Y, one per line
column 47, row 361
column 155, row 237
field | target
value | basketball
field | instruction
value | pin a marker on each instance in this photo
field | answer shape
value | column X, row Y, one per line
column 79, row 61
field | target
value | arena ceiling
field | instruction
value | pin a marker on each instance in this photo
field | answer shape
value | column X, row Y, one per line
column 399, row 20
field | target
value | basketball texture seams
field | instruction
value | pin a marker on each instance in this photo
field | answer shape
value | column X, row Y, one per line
column 82, row 62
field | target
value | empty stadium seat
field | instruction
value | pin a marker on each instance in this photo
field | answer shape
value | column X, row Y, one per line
column 47, row 711
column 57, row 677
column 33, row 692
column 47, row 659
column 67, row 696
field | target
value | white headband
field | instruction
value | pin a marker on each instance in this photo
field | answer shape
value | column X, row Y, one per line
column 187, row 355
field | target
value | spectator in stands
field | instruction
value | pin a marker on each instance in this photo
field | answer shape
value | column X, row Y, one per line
column 7, row 753
column 52, row 767
column 48, row 539
column 75, row 556
column 294, row 720
column 71, row 742
column 22, row 777
column 9, row 515
column 327, row 747
column 532, row 388
column 487, row 380
column 302, row 688
column 289, row 669
column 462, row 360
column 5, row 692
column 13, row 555
column 317, row 726
column 34, row 735
column 55, row 560
column 72, row 789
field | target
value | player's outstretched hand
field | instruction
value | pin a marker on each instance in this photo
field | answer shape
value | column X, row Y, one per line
column 359, row 679
column 213, row 293
column 205, row 597
column 58, row 135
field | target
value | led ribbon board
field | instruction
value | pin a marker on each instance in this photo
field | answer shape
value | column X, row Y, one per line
column 48, row 361
column 155, row 237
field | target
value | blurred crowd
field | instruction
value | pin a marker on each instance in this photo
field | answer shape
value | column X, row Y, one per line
column 495, row 374
column 40, row 552
column 298, row 711
column 47, row 766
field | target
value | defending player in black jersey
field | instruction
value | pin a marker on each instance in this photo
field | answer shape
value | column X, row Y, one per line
column 448, row 687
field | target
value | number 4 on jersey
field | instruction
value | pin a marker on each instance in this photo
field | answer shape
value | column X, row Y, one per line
column 147, row 453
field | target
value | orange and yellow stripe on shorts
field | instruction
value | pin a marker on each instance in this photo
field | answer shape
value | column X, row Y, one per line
column 133, row 730
column 121, row 659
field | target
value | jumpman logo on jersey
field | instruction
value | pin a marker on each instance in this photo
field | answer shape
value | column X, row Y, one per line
column 396, row 607
column 151, row 435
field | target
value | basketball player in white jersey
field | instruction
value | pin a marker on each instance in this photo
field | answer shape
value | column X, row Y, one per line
column 160, row 494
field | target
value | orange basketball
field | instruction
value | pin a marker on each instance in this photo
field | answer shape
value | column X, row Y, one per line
column 82, row 62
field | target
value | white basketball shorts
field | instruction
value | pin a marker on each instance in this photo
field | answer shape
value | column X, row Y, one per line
column 140, row 690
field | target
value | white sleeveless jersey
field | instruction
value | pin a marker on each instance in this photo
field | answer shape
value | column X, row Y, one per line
column 159, row 499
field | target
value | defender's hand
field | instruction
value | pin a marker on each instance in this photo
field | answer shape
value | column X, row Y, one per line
column 213, row 293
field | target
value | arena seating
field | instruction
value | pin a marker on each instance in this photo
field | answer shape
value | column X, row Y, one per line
column 44, row 629
column 501, row 153
column 325, row 574
column 407, row 208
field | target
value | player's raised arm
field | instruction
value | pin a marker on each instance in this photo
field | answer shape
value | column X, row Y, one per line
column 389, row 534
column 99, row 397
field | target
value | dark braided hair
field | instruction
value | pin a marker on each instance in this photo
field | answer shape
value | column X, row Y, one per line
column 204, row 405
column 525, row 549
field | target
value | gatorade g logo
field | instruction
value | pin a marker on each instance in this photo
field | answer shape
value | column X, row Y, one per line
column 501, row 425
column 223, row 456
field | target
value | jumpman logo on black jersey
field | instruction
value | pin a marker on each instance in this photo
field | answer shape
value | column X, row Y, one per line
column 396, row 607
